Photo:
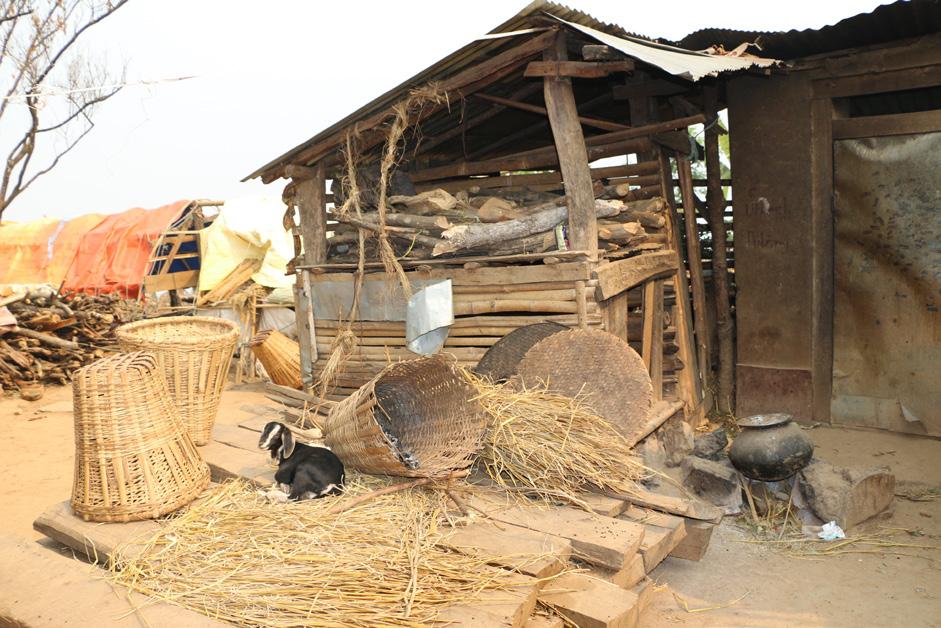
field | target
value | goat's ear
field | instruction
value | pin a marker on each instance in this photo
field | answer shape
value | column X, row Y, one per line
column 287, row 444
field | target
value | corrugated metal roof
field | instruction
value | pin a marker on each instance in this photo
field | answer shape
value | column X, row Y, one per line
column 687, row 64
column 684, row 63
column 889, row 22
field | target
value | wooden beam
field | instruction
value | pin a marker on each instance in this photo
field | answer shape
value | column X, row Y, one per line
column 469, row 123
column 652, row 346
column 889, row 124
column 604, row 125
column 508, row 180
column 573, row 158
column 577, row 69
column 715, row 197
column 695, row 268
column 540, row 125
column 690, row 383
column 311, row 204
column 476, row 77
column 617, row 277
column 543, row 157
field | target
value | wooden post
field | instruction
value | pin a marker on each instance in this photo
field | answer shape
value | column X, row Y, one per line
column 573, row 155
column 310, row 193
column 652, row 346
column 581, row 304
column 310, row 196
column 695, row 267
column 715, row 198
column 691, row 389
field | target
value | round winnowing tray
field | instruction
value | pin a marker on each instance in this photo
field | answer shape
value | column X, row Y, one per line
column 501, row 360
column 600, row 367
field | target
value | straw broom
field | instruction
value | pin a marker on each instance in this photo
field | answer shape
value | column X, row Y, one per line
column 553, row 447
column 236, row 557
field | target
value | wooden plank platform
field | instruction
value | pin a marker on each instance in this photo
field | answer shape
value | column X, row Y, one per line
column 696, row 541
column 595, row 539
column 528, row 552
column 496, row 608
column 590, row 602
column 97, row 541
column 662, row 533
column 227, row 462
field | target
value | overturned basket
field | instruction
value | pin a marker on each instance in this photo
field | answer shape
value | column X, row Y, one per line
column 416, row 419
column 133, row 459
column 600, row 368
column 194, row 353
column 501, row 360
column 280, row 356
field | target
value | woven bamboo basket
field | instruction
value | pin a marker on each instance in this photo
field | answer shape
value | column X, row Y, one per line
column 416, row 419
column 133, row 457
column 501, row 359
column 600, row 367
column 195, row 353
column 280, row 356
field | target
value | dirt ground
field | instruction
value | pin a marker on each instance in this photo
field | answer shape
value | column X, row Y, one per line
column 738, row 583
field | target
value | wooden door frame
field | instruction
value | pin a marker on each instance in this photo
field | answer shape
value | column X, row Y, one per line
column 826, row 127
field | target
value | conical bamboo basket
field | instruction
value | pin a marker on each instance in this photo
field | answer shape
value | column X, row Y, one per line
column 280, row 356
column 133, row 457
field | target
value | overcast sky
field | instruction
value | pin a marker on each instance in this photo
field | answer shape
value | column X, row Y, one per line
column 269, row 75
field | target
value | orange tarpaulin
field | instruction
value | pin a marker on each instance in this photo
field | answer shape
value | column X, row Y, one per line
column 24, row 250
column 65, row 244
column 113, row 256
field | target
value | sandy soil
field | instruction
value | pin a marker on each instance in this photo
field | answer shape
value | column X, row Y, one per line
column 740, row 583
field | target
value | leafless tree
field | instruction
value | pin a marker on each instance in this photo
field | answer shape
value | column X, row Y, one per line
column 49, row 88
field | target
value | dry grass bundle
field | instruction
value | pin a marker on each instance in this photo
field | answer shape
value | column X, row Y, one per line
column 551, row 446
column 238, row 558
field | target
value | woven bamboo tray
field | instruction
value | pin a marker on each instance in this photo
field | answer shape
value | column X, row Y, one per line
column 133, row 458
column 415, row 419
column 500, row 361
column 280, row 356
column 194, row 353
column 602, row 368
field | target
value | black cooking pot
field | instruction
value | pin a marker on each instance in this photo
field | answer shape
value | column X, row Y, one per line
column 770, row 447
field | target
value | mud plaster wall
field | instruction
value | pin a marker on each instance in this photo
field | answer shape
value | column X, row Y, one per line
column 770, row 129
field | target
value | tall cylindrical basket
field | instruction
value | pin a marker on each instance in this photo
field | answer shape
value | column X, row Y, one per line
column 133, row 457
column 194, row 353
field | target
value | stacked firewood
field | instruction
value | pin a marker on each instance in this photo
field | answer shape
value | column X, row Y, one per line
column 55, row 335
column 436, row 224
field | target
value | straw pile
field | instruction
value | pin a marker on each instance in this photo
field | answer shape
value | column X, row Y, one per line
column 552, row 447
column 238, row 558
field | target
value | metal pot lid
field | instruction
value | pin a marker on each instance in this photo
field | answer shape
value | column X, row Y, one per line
column 765, row 420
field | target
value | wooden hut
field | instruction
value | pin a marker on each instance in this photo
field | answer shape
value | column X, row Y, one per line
column 838, row 270
column 523, row 115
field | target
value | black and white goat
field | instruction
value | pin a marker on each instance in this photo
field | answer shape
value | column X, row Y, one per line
column 304, row 471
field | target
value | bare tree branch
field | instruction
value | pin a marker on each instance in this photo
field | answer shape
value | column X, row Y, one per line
column 29, row 57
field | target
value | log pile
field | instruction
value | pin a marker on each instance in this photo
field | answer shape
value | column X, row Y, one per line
column 55, row 335
column 436, row 224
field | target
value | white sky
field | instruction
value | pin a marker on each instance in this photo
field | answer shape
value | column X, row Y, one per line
column 272, row 74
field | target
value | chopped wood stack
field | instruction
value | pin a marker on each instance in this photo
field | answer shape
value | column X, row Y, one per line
column 436, row 224
column 54, row 336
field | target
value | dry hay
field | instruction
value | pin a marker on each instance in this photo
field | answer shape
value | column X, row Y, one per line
column 236, row 557
column 554, row 447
